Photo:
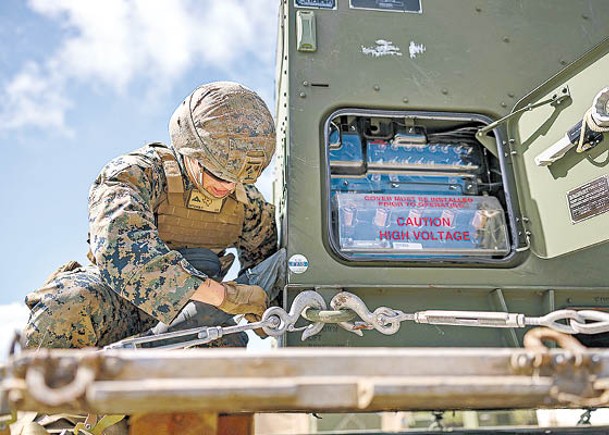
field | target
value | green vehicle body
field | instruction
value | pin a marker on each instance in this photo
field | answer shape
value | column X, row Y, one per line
column 444, row 65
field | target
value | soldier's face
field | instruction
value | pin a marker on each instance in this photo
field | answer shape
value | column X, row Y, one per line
column 216, row 186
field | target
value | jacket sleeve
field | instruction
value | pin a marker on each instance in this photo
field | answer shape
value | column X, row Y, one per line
column 259, row 237
column 124, row 240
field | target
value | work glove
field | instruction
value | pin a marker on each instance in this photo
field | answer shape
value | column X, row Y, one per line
column 250, row 300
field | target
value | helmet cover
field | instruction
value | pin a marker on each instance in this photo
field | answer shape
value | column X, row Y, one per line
column 227, row 128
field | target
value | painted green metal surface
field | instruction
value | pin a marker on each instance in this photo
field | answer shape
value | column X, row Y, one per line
column 468, row 56
column 543, row 190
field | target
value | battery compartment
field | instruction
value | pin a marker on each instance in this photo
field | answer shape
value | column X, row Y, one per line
column 411, row 186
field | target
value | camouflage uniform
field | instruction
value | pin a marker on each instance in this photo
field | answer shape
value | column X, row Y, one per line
column 137, row 279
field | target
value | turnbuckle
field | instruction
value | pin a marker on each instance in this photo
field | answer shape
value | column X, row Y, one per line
column 311, row 306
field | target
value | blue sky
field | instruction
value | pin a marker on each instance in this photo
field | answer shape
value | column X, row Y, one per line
column 84, row 81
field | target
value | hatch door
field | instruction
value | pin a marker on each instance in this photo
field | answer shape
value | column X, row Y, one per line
column 565, row 205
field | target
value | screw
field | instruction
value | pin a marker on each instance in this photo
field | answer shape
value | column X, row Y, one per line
column 559, row 359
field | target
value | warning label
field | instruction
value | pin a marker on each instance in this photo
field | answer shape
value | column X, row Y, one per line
column 322, row 4
column 589, row 200
column 378, row 222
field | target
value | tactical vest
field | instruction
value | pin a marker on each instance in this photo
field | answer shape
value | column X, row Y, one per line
column 181, row 226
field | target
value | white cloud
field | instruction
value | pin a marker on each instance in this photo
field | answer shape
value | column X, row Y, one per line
column 112, row 43
column 12, row 318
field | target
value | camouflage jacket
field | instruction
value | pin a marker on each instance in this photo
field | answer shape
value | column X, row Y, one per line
column 125, row 244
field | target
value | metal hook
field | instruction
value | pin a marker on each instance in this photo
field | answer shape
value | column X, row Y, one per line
column 36, row 381
column 383, row 319
column 279, row 321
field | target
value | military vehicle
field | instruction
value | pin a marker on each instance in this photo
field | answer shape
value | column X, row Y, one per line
column 442, row 181
column 425, row 164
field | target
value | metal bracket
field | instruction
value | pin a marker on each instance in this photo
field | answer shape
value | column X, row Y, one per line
column 558, row 97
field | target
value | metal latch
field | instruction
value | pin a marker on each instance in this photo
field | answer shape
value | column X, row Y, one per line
column 306, row 33
column 586, row 134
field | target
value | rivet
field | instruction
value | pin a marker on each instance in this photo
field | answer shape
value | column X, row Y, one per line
column 506, row 39
column 478, row 9
column 376, row 88
column 512, row 140
column 305, row 83
column 511, row 94
column 444, row 91
column 405, row 100
column 503, row 104
column 585, row 17
column 302, row 95
column 563, row 62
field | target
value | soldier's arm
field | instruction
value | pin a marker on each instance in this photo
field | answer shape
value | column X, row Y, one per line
column 125, row 243
column 259, row 238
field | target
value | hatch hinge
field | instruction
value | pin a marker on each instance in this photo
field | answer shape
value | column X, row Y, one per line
column 558, row 98
column 524, row 233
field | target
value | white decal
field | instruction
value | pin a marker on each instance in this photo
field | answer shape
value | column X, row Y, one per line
column 298, row 263
column 415, row 49
column 383, row 48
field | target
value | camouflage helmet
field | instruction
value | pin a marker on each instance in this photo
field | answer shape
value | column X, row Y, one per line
column 227, row 128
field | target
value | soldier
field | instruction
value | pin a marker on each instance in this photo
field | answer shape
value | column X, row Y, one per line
column 160, row 219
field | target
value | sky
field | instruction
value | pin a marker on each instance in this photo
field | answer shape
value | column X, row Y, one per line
column 82, row 82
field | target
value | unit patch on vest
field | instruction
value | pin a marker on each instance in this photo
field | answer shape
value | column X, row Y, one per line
column 199, row 201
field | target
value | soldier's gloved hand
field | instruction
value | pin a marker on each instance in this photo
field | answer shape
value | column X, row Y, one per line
column 250, row 300
column 244, row 299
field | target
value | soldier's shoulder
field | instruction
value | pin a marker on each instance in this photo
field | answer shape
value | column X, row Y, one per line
column 253, row 194
column 142, row 158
